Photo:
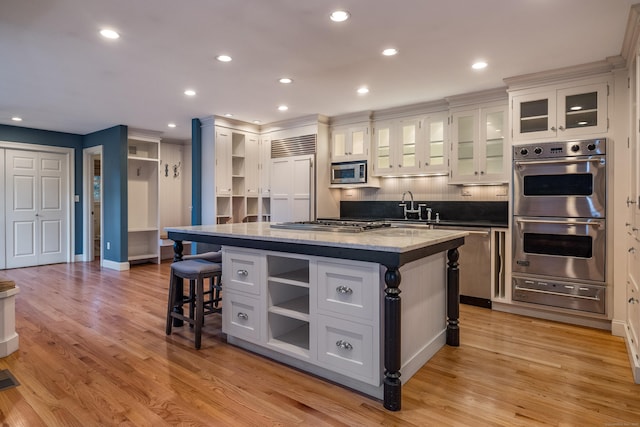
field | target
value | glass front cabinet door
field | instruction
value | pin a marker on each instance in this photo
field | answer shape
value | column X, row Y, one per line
column 478, row 146
column 561, row 113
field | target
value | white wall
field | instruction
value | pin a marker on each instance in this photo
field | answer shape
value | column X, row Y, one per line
column 175, row 186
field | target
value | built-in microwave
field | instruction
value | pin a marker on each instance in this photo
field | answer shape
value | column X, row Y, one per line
column 349, row 172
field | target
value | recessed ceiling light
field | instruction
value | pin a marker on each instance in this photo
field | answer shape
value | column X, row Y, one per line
column 171, row 125
column 285, row 80
column 390, row 51
column 257, row 122
column 479, row 65
column 223, row 58
column 363, row 90
column 109, row 34
column 190, row 92
column 283, row 108
column 339, row 15
column 228, row 115
column 16, row 119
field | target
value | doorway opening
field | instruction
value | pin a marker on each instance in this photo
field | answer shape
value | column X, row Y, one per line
column 93, row 213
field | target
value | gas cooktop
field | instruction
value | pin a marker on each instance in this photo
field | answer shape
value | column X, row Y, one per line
column 332, row 225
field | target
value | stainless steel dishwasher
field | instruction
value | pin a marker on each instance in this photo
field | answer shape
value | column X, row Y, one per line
column 475, row 265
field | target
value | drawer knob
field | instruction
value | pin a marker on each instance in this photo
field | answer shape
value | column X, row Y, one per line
column 243, row 273
column 344, row 290
column 344, row 345
column 243, row 316
column 633, row 300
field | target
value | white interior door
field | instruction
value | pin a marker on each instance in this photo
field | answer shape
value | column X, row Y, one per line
column 36, row 209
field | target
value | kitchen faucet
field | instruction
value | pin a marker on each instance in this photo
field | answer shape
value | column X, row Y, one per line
column 411, row 209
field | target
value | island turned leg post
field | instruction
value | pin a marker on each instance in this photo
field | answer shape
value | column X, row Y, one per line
column 453, row 298
column 177, row 306
column 392, row 340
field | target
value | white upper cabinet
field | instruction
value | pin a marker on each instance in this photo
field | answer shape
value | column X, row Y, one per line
column 251, row 165
column 410, row 146
column 223, row 162
column 264, row 167
column 560, row 112
column 433, row 152
column 350, row 143
column 478, row 146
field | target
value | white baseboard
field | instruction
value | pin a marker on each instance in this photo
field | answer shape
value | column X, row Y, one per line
column 634, row 357
column 113, row 265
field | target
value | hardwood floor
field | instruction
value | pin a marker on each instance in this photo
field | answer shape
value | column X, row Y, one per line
column 93, row 352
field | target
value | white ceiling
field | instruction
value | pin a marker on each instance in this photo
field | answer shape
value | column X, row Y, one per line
column 58, row 74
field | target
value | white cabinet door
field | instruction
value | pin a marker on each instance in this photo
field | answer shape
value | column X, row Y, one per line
column 223, row 162
column 36, row 208
column 292, row 188
column 383, row 155
column 265, row 167
column 561, row 112
column 251, row 164
column 349, row 143
column 479, row 147
column 464, row 147
column 433, row 150
column 406, row 141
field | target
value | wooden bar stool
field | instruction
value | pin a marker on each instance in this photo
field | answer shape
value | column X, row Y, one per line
column 196, row 271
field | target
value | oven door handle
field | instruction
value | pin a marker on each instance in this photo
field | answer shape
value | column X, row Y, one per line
column 550, row 221
column 556, row 293
column 520, row 163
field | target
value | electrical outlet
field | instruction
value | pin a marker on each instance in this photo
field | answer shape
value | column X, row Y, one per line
column 108, row 245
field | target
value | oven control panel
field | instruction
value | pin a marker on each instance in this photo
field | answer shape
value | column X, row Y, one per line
column 549, row 150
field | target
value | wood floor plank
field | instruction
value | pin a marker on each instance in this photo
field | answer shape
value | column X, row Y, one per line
column 93, row 351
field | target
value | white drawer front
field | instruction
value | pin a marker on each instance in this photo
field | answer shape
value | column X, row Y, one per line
column 348, row 348
column 241, row 271
column 348, row 289
column 241, row 317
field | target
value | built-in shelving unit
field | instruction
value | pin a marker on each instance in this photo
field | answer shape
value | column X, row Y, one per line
column 288, row 304
column 143, row 197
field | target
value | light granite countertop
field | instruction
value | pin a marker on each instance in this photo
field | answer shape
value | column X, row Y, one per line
column 389, row 239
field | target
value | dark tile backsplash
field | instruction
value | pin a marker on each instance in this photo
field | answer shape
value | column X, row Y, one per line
column 494, row 212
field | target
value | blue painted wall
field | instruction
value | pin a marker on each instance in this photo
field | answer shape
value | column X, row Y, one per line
column 196, row 172
column 114, row 190
column 55, row 139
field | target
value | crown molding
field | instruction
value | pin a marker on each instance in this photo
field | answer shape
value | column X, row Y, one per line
column 351, row 118
column 590, row 69
column 632, row 33
column 144, row 134
column 483, row 96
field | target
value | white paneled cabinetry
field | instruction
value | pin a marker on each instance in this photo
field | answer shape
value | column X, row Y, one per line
column 410, row 146
column 560, row 112
column 318, row 310
column 242, row 183
column 350, row 143
column 479, row 147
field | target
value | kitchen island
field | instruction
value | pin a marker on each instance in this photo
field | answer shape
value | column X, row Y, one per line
column 329, row 303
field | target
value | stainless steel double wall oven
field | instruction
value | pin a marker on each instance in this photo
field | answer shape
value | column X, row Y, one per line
column 559, row 225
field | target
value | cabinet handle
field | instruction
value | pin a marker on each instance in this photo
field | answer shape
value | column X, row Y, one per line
column 561, row 127
column 243, row 316
column 475, row 173
column 481, row 172
column 243, row 273
column 344, row 290
column 553, row 128
column 632, row 250
column 345, row 345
